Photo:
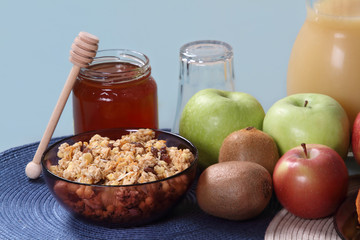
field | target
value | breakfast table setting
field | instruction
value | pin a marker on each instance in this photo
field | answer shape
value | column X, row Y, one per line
column 29, row 211
column 225, row 169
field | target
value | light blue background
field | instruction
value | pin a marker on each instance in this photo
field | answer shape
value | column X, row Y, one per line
column 36, row 38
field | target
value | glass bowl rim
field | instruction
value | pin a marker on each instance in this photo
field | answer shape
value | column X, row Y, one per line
column 52, row 146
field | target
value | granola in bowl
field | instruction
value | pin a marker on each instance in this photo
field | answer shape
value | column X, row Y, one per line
column 134, row 158
column 129, row 178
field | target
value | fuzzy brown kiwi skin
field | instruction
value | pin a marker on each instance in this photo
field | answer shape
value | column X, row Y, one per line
column 250, row 144
column 234, row 190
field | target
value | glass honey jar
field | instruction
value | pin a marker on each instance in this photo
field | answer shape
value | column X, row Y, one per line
column 116, row 90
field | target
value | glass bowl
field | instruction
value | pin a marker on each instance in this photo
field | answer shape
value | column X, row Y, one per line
column 120, row 205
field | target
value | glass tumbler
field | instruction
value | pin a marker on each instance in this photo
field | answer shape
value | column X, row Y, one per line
column 203, row 64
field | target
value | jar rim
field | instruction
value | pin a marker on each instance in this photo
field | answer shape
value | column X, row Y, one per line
column 118, row 55
column 311, row 8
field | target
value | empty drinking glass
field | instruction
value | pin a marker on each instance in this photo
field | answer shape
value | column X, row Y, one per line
column 203, row 64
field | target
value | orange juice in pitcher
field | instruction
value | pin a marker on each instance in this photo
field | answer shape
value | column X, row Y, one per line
column 326, row 54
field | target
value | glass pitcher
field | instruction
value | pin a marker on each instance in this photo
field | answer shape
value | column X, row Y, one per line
column 326, row 54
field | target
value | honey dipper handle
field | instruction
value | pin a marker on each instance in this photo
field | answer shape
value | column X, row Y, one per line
column 31, row 170
column 83, row 51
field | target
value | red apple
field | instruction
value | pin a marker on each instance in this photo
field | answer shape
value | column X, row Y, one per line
column 311, row 181
column 355, row 138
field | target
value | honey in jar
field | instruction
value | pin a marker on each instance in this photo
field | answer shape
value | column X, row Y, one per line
column 116, row 90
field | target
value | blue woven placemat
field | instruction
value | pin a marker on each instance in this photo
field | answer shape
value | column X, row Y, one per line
column 29, row 211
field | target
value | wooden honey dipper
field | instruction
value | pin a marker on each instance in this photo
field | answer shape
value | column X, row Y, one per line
column 83, row 50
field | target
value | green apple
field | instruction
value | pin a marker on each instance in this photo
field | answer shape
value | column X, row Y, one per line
column 211, row 115
column 308, row 118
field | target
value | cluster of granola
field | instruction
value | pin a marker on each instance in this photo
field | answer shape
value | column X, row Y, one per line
column 135, row 158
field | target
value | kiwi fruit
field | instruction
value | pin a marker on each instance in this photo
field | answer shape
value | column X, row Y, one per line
column 250, row 144
column 234, row 190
